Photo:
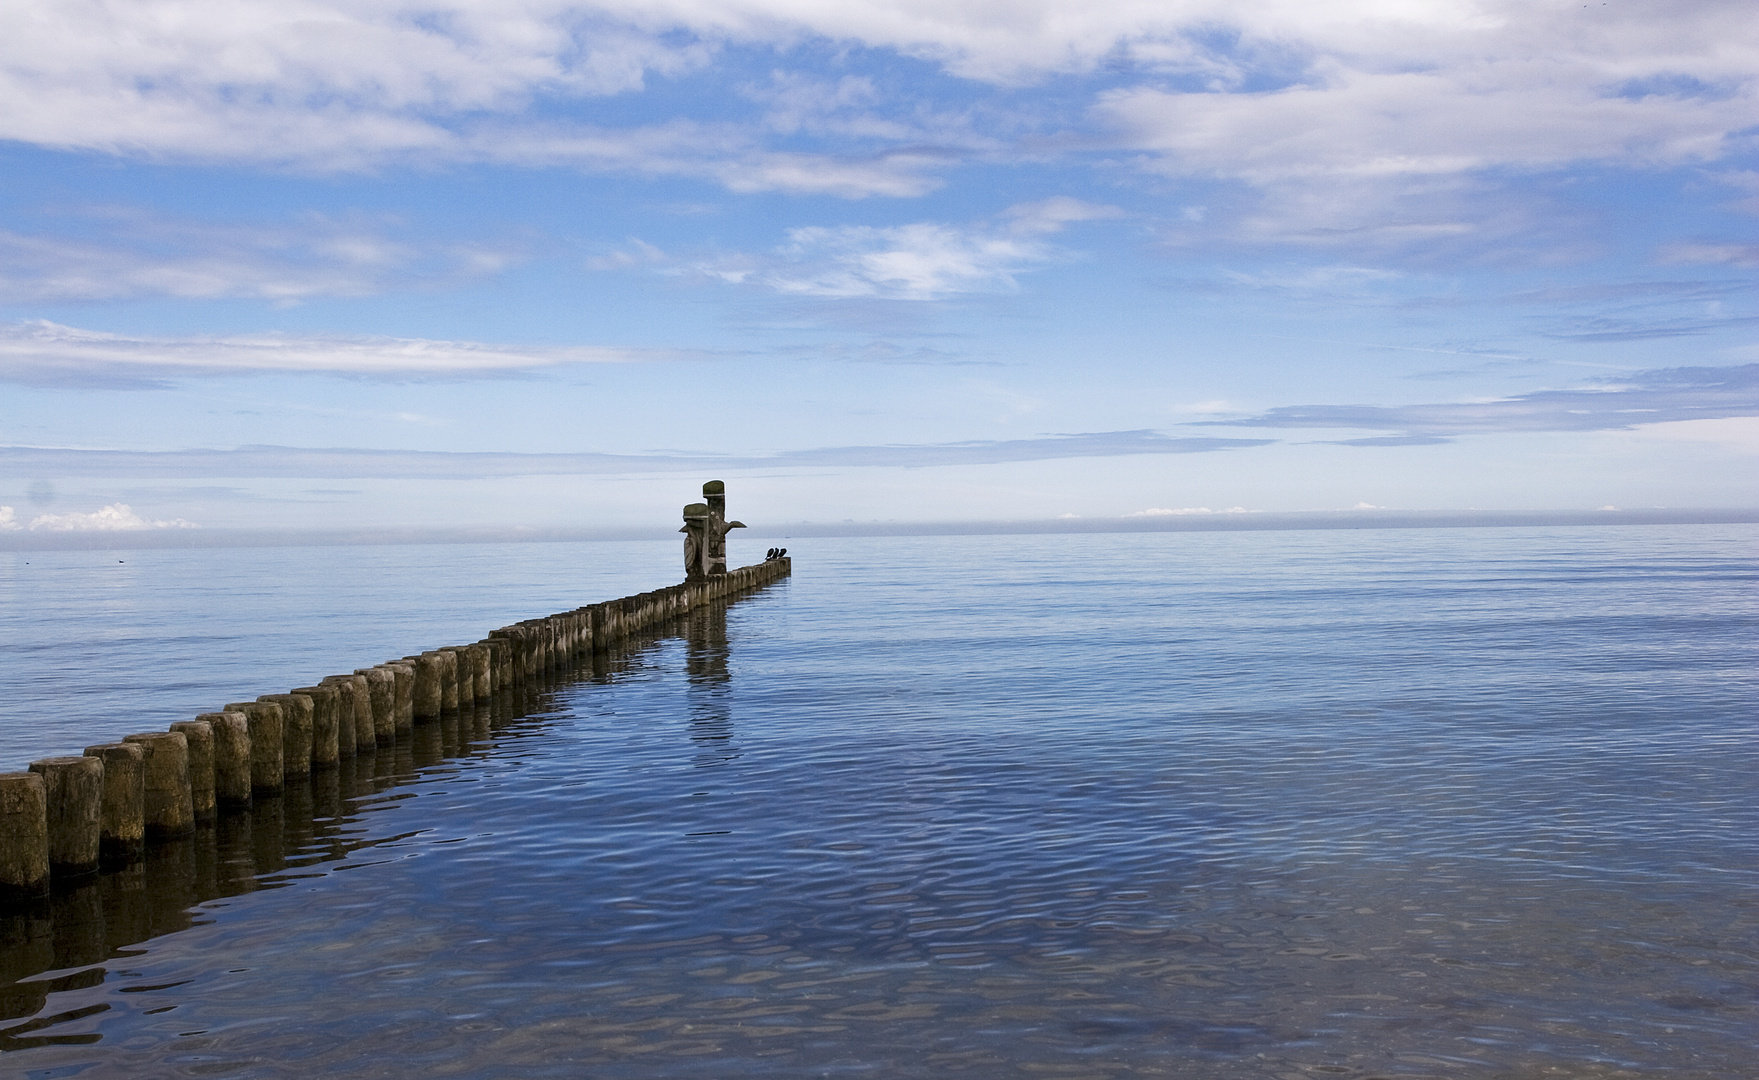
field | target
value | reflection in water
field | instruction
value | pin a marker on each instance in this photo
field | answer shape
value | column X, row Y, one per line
column 76, row 936
column 710, row 686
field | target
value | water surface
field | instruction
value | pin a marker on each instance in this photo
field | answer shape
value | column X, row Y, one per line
column 1398, row 803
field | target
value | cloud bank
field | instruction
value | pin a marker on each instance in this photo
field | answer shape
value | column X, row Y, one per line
column 117, row 517
column 1267, row 92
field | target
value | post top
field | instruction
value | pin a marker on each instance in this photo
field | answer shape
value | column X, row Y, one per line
column 696, row 510
column 714, row 487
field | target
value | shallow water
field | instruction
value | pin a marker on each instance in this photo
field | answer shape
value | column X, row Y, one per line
column 1395, row 803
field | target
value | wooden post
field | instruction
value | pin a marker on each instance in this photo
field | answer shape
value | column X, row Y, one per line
column 73, row 789
column 268, row 771
column 298, row 720
column 167, row 811
column 24, row 837
column 325, row 752
column 122, row 830
column 231, row 757
column 199, row 734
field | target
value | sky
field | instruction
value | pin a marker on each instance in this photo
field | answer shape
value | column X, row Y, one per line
column 329, row 264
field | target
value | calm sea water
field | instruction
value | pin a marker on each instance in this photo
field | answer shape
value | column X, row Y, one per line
column 1391, row 803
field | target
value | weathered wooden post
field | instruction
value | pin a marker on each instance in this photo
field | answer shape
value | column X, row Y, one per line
column 360, row 694
column 199, row 734
column 403, row 672
column 714, row 493
column 448, row 679
column 428, row 698
column 73, row 788
column 268, row 772
column 382, row 689
column 347, row 733
column 122, row 828
column 24, row 836
column 482, row 675
column 232, row 757
column 465, row 675
column 325, row 750
column 298, row 722
column 168, row 810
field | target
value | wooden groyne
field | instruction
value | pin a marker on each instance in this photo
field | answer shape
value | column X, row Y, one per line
column 68, row 817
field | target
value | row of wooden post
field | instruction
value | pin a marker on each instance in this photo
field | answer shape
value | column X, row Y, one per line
column 67, row 816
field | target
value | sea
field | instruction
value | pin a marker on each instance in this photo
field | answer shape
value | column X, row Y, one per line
column 1370, row 803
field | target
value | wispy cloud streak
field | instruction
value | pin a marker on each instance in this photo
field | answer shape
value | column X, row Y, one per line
column 1646, row 397
column 346, row 464
column 46, row 353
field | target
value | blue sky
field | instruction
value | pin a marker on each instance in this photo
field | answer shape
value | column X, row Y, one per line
column 316, row 264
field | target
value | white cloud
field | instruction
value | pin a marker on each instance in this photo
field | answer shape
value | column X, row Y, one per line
column 924, row 261
column 920, row 261
column 115, row 517
column 9, row 519
column 46, row 352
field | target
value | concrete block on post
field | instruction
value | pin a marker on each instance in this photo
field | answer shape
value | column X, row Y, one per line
column 167, row 809
column 325, row 751
column 199, row 735
column 73, row 792
column 298, row 720
column 24, row 837
column 122, row 827
column 231, row 757
column 268, row 770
